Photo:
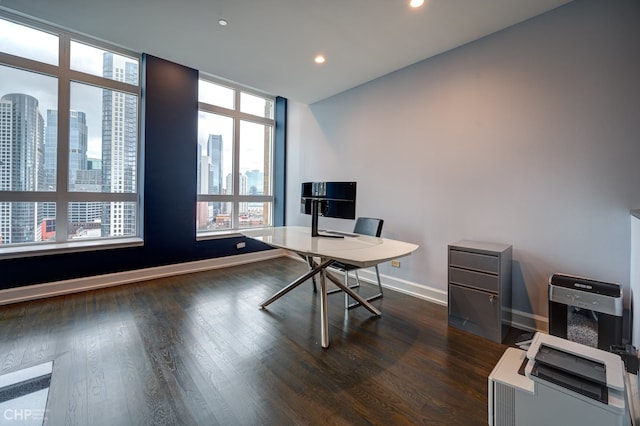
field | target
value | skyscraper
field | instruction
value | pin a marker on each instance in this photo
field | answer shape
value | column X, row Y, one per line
column 78, row 146
column 51, row 152
column 6, row 142
column 21, row 166
column 210, row 181
column 119, row 146
column 80, row 179
column 214, row 152
column 202, row 212
column 255, row 182
column 243, row 208
column 50, row 163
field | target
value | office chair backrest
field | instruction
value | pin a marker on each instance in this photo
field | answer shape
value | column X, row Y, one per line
column 368, row 226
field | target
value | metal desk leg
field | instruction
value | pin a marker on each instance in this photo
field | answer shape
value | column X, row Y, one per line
column 355, row 295
column 311, row 263
column 324, row 324
column 296, row 283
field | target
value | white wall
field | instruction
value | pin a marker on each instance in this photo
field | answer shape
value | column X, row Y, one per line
column 530, row 136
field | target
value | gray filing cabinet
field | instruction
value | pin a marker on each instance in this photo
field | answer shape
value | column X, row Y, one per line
column 480, row 288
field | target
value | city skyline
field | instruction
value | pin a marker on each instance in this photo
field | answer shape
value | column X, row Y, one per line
column 102, row 120
column 216, row 215
column 87, row 99
column 28, row 149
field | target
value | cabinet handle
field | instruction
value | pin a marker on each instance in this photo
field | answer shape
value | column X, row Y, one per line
column 492, row 298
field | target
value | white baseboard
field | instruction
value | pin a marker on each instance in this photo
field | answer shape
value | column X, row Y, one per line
column 39, row 291
column 396, row 284
column 406, row 287
column 519, row 319
column 529, row 322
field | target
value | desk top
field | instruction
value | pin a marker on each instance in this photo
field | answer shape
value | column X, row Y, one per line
column 360, row 250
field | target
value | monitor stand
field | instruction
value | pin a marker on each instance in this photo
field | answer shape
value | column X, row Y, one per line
column 315, row 211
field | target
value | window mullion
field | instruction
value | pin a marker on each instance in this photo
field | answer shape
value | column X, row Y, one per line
column 254, row 118
column 62, row 151
column 28, row 64
column 102, row 82
column 235, row 218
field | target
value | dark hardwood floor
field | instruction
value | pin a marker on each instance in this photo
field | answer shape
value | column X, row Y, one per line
column 196, row 349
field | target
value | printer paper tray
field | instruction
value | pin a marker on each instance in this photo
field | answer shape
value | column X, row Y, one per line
column 585, row 387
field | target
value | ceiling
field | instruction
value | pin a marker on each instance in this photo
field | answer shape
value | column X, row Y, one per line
column 270, row 45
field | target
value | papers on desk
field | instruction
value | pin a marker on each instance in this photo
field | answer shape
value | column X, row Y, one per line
column 338, row 233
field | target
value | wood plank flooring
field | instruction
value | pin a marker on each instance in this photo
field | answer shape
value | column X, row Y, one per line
column 196, row 350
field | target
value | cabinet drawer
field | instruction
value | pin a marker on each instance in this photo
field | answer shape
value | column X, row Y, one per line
column 475, row 311
column 477, row 261
column 478, row 280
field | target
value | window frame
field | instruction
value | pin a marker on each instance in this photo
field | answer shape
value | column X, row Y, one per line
column 62, row 196
column 236, row 199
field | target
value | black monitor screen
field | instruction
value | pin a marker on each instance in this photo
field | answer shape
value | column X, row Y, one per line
column 336, row 199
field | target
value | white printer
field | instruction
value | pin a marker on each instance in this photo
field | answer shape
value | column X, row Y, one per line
column 558, row 382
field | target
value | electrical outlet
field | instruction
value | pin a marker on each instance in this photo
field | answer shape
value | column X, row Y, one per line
column 395, row 263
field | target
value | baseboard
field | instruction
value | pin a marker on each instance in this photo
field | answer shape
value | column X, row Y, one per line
column 396, row 284
column 58, row 288
column 406, row 287
column 519, row 319
column 529, row 322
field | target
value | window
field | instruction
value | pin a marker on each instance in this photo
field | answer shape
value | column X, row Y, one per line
column 69, row 145
column 235, row 163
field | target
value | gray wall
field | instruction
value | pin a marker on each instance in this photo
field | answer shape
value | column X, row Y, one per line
column 530, row 136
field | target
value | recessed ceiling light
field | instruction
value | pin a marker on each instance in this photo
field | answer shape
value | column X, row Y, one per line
column 223, row 22
column 416, row 3
column 319, row 59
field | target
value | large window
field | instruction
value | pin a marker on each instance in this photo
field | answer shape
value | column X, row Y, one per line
column 69, row 145
column 235, row 146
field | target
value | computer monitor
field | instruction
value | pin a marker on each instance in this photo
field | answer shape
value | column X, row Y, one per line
column 328, row 199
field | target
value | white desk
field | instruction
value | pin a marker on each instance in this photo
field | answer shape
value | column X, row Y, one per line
column 359, row 250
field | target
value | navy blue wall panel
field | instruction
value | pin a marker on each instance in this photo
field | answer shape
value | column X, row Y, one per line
column 170, row 120
column 279, row 162
column 170, row 115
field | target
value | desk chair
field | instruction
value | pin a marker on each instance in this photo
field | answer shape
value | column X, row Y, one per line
column 364, row 226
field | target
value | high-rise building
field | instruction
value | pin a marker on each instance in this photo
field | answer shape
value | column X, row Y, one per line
column 78, row 146
column 243, row 208
column 50, row 151
column 84, row 214
column 21, row 166
column 214, row 152
column 210, row 181
column 119, row 146
column 202, row 213
column 255, row 182
column 242, row 182
column 50, row 162
column 6, row 142
column 229, row 181
column 94, row 164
